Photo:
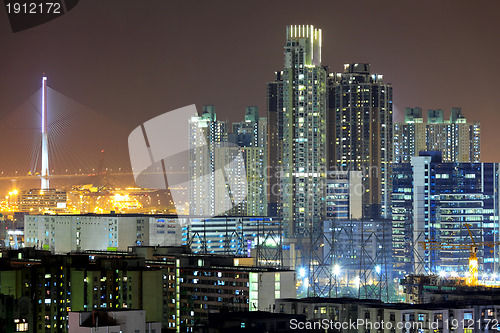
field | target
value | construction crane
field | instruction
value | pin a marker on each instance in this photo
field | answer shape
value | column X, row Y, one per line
column 473, row 247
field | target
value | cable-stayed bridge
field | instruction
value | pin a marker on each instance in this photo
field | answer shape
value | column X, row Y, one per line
column 82, row 143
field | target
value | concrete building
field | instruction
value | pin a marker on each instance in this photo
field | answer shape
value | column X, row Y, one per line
column 360, row 132
column 432, row 201
column 457, row 139
column 66, row 233
column 236, row 235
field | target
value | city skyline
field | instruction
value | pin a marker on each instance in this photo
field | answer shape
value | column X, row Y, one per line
column 121, row 67
column 209, row 158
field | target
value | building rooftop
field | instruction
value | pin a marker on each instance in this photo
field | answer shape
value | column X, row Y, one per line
column 157, row 215
column 452, row 304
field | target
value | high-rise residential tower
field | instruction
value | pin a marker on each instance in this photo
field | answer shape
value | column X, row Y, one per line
column 228, row 170
column 360, row 132
column 457, row 139
column 302, row 195
column 206, row 135
column 274, row 142
column 251, row 138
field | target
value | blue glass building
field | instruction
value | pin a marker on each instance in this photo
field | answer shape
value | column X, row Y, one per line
column 434, row 201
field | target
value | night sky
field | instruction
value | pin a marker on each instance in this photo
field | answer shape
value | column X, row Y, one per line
column 133, row 60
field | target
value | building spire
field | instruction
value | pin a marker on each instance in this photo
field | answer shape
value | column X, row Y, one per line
column 45, row 151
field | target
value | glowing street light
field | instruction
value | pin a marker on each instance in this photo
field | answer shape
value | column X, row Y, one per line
column 442, row 274
column 357, row 282
column 336, row 270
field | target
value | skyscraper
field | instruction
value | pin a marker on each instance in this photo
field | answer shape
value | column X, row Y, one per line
column 274, row 142
column 251, row 138
column 457, row 139
column 360, row 132
column 228, row 170
column 206, row 133
column 303, row 160
column 433, row 201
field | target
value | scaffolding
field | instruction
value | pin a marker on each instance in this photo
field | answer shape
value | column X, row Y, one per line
column 351, row 258
column 238, row 236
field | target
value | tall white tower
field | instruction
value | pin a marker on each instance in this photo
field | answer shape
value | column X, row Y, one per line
column 45, row 151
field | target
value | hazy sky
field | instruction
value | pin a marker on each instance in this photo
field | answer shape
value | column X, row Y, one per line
column 133, row 60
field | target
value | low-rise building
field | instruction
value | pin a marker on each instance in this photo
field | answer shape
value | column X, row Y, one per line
column 66, row 233
column 232, row 235
column 248, row 322
column 363, row 315
column 174, row 286
column 421, row 289
column 39, row 201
